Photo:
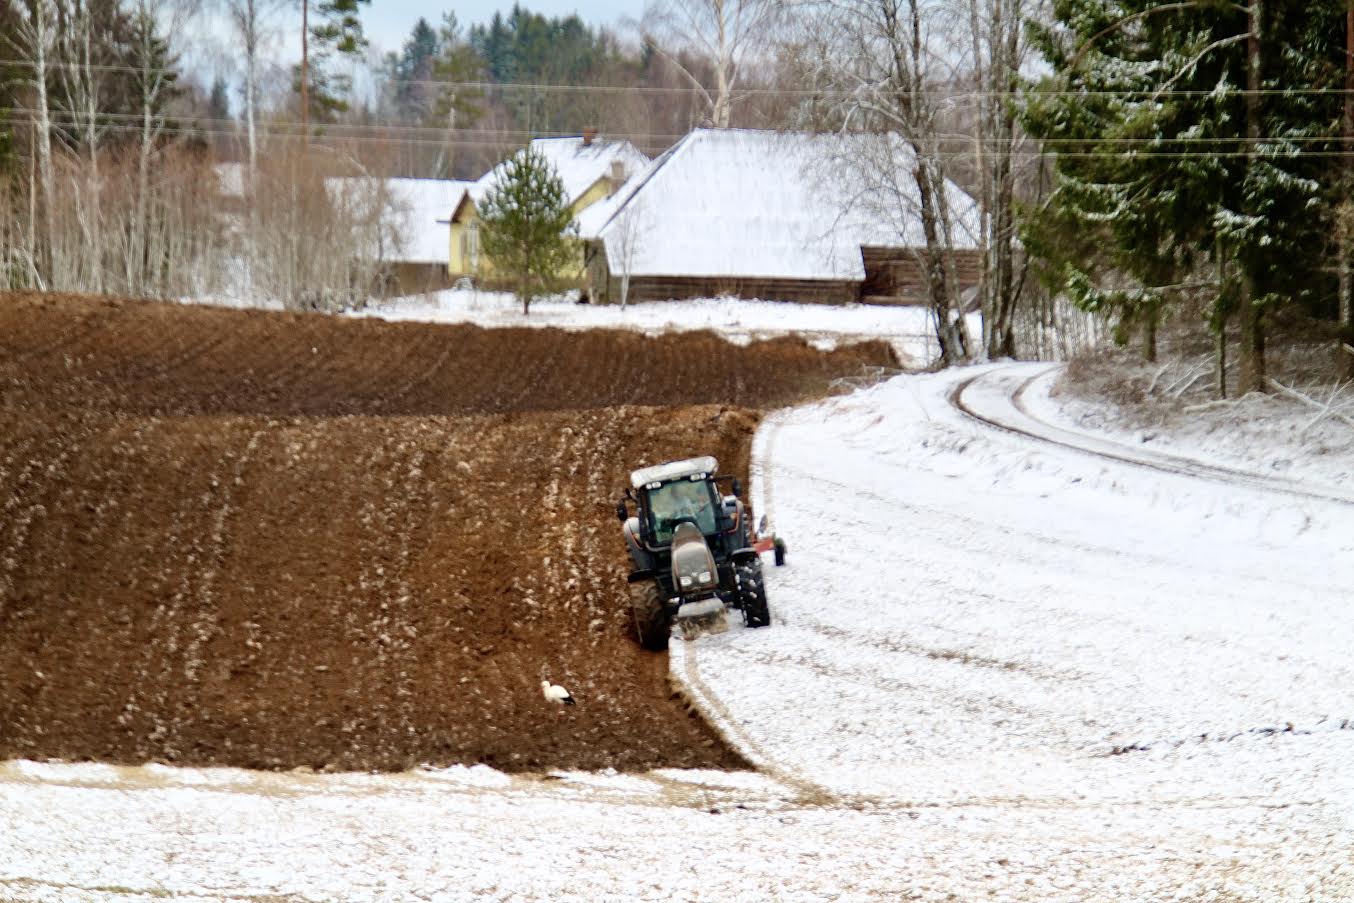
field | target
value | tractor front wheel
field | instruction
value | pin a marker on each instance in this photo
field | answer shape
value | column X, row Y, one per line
column 651, row 618
column 756, row 612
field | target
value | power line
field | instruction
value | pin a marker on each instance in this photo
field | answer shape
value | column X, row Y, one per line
column 943, row 93
column 1031, row 154
column 509, row 137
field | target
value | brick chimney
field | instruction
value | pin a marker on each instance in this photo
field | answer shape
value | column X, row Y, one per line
column 589, row 135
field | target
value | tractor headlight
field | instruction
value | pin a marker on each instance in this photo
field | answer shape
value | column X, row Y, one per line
column 704, row 576
column 686, row 580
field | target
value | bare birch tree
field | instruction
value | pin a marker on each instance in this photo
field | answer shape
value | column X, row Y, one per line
column 322, row 235
column 727, row 34
column 632, row 230
column 154, row 82
column 878, row 55
column 35, row 42
column 999, row 51
column 82, row 76
column 249, row 22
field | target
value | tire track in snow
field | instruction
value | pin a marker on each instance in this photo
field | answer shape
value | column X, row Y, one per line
column 1050, row 434
column 684, row 671
column 683, row 656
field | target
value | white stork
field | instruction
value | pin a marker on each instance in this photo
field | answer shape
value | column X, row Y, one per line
column 556, row 694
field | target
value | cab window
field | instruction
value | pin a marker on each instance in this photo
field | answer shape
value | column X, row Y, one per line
column 681, row 500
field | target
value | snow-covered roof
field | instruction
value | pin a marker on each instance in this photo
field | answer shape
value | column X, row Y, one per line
column 673, row 470
column 416, row 206
column 578, row 164
column 421, row 204
column 760, row 204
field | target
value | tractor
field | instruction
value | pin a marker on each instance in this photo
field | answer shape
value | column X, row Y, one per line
column 693, row 549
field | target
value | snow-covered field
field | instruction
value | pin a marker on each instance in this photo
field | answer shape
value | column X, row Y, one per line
column 1000, row 670
column 908, row 329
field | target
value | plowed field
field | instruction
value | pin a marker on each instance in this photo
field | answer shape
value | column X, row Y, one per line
column 275, row 540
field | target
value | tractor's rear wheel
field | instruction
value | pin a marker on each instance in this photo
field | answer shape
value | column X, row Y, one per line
column 652, row 623
column 756, row 611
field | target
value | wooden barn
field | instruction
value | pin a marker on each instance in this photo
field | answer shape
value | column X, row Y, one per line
column 769, row 215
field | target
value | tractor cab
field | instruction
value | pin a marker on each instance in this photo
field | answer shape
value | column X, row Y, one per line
column 677, row 492
column 692, row 548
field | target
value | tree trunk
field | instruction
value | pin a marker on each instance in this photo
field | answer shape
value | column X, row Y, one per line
column 723, row 103
column 251, row 61
column 1251, row 371
column 305, row 73
column 137, row 280
column 1344, row 350
column 982, row 69
column 1222, row 357
column 1004, row 225
column 1149, row 337
column 42, row 40
column 952, row 348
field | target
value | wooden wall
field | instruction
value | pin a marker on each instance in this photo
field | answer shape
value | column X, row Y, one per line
column 896, row 275
column 892, row 276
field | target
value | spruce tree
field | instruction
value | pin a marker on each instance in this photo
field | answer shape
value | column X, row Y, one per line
column 1172, row 176
column 412, row 69
column 526, row 227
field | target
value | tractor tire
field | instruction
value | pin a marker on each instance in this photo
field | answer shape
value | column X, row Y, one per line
column 652, row 623
column 756, row 612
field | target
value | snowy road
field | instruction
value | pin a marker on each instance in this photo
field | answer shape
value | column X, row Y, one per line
column 1087, row 651
column 1001, row 669
column 1015, row 399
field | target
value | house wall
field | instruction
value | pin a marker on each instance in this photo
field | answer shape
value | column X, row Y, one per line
column 482, row 270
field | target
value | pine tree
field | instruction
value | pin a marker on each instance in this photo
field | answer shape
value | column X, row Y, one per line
column 336, row 31
column 526, row 227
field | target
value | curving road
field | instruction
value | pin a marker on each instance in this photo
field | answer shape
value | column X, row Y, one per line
column 997, row 398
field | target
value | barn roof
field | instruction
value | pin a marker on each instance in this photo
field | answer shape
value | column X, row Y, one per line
column 759, row 204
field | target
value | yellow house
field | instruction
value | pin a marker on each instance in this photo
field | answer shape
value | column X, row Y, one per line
column 591, row 171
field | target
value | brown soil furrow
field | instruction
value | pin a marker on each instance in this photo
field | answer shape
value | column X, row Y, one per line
column 27, row 504
column 222, row 547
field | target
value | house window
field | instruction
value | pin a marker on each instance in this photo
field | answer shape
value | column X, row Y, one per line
column 472, row 244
